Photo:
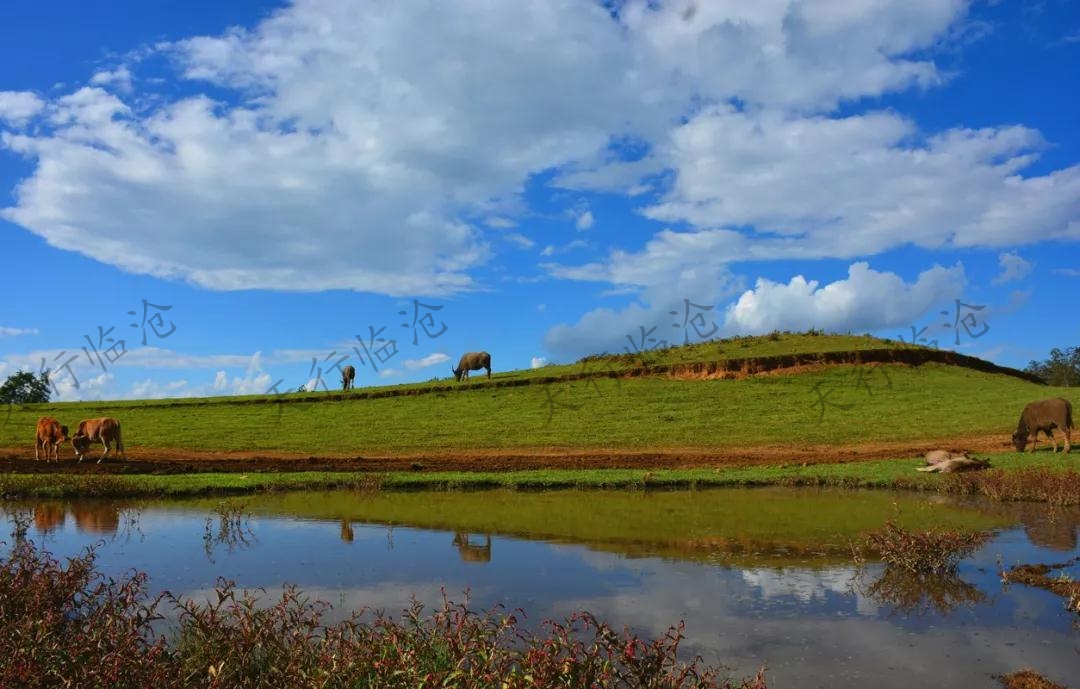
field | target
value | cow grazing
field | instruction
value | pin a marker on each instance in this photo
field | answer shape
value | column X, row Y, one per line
column 104, row 430
column 1044, row 415
column 50, row 435
column 348, row 374
column 473, row 361
column 956, row 464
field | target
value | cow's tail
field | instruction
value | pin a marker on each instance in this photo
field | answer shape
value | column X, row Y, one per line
column 120, row 441
column 1068, row 415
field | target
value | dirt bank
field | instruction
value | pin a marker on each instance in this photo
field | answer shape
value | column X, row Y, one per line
column 144, row 460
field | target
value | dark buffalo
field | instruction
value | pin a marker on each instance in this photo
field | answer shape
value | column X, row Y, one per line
column 1044, row 415
column 473, row 361
column 348, row 373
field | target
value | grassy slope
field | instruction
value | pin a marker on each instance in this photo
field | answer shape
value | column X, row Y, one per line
column 933, row 401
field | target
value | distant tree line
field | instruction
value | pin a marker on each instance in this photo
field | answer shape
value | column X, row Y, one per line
column 1061, row 369
column 23, row 387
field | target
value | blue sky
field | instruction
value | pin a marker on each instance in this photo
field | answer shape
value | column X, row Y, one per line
column 554, row 174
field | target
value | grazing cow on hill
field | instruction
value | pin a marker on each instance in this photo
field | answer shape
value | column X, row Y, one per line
column 348, row 373
column 50, row 435
column 473, row 361
column 1044, row 415
column 104, row 430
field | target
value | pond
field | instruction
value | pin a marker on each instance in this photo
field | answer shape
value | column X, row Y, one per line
column 760, row 576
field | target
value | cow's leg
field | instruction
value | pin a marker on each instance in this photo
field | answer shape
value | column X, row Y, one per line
column 489, row 374
column 37, row 444
column 1068, row 440
column 106, row 444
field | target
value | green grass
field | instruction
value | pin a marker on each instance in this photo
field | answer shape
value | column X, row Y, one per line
column 892, row 473
column 933, row 401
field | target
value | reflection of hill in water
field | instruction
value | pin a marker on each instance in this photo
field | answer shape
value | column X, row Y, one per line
column 768, row 526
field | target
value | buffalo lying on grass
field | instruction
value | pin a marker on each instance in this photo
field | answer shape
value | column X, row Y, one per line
column 957, row 463
column 1044, row 415
column 937, row 456
column 473, row 361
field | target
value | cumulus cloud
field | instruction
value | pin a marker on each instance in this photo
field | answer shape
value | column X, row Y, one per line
column 860, row 185
column 18, row 106
column 346, row 127
column 1013, row 267
column 537, row 362
column 866, row 300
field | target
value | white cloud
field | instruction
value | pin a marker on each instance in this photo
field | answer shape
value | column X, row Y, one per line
column 860, row 185
column 18, row 106
column 537, row 362
column 15, row 332
column 584, row 221
column 541, row 307
column 519, row 239
column 500, row 223
column 120, row 78
column 551, row 249
column 1071, row 272
column 866, row 300
column 429, row 360
column 350, row 127
column 254, row 381
column 1013, row 267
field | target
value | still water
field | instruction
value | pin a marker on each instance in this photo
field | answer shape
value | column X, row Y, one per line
column 760, row 576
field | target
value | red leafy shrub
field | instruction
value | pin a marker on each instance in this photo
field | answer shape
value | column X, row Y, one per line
column 66, row 626
column 931, row 552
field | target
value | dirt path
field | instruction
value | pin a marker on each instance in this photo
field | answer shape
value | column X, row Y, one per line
column 143, row 460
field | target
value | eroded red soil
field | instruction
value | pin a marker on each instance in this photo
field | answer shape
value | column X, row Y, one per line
column 145, row 460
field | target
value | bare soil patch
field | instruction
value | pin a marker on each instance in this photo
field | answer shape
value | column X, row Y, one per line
column 148, row 460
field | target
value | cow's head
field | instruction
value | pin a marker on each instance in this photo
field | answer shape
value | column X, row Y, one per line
column 80, row 443
column 1020, row 440
column 63, row 435
column 457, row 372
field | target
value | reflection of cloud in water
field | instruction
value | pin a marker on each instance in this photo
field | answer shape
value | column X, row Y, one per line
column 825, row 639
column 809, row 585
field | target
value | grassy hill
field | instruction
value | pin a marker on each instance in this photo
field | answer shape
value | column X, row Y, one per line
column 685, row 398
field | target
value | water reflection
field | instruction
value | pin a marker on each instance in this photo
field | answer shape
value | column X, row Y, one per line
column 472, row 552
column 99, row 518
column 48, row 516
column 919, row 594
column 758, row 576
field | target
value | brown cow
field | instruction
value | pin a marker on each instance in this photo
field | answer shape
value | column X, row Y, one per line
column 1044, row 415
column 472, row 361
column 104, row 430
column 50, row 434
column 348, row 373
